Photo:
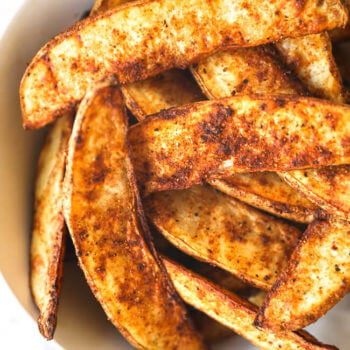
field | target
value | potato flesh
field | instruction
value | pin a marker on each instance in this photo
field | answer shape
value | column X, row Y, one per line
column 311, row 58
column 316, row 278
column 219, row 230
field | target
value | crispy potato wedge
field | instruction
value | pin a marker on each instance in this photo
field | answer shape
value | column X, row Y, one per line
column 265, row 190
column 247, row 71
column 234, row 312
column 141, row 39
column 107, row 226
column 47, row 246
column 328, row 187
column 217, row 229
column 170, row 89
column 252, row 70
column 185, row 145
column 311, row 58
column 313, row 61
column 316, row 278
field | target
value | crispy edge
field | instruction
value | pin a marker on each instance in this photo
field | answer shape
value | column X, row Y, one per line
column 234, row 312
column 48, row 234
column 328, row 206
column 278, row 310
column 296, row 213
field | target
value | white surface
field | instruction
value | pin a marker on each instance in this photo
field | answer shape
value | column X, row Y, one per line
column 17, row 329
column 81, row 323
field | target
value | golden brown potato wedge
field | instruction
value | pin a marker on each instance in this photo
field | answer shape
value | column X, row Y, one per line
column 170, row 89
column 107, row 226
column 265, row 190
column 247, row 71
column 252, row 70
column 47, row 247
column 185, row 145
column 316, row 278
column 328, row 187
column 217, row 229
column 311, row 58
column 234, row 312
column 141, row 39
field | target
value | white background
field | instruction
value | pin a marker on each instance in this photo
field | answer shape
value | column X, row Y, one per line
column 17, row 330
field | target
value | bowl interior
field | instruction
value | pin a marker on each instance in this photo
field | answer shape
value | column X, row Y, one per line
column 81, row 321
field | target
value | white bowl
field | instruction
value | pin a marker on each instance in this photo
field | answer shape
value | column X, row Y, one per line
column 81, row 322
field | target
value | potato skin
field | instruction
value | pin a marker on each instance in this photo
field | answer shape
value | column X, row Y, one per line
column 48, row 234
column 143, row 38
column 267, row 191
column 185, row 145
column 316, row 278
column 234, row 312
column 106, row 222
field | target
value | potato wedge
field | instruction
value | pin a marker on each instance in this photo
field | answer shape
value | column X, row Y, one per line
column 141, row 39
column 170, row 89
column 311, row 58
column 185, row 145
column 47, row 246
column 251, row 70
column 107, row 226
column 247, row 71
column 316, row 278
column 329, row 187
column 234, row 312
column 217, row 229
column 265, row 190
column 313, row 61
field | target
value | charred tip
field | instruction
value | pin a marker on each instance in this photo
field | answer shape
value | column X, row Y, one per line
column 47, row 326
column 259, row 321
